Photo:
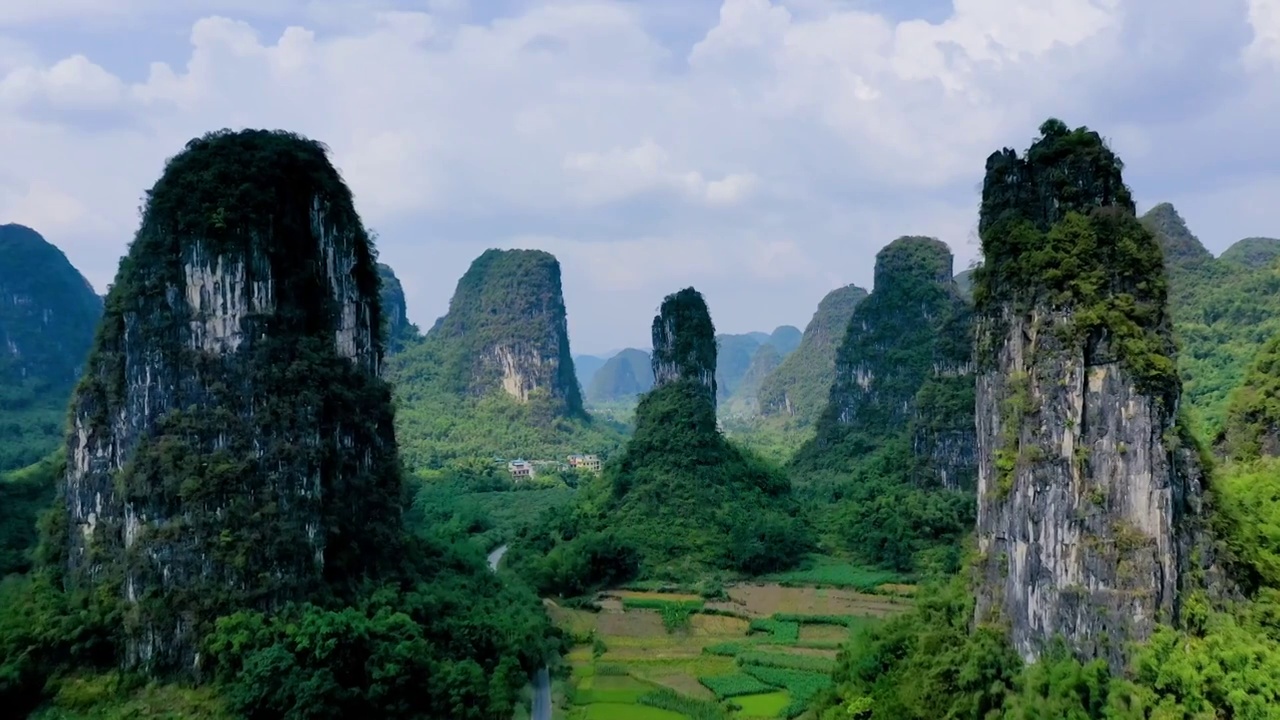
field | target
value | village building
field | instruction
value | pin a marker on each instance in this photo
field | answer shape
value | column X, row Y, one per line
column 520, row 469
column 590, row 463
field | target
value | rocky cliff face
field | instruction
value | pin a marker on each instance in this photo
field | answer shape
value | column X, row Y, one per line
column 684, row 345
column 48, row 313
column 905, row 364
column 507, row 331
column 397, row 330
column 1091, row 511
column 802, row 383
column 232, row 445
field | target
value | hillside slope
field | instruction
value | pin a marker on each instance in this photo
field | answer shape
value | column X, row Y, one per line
column 495, row 376
column 48, row 315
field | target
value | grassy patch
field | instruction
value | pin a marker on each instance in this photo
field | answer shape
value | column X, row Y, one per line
column 687, row 707
column 780, row 632
column 619, row 711
column 824, row 571
column 727, row 686
column 765, row 705
column 786, row 660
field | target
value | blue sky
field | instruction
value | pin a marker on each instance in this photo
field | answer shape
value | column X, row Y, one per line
column 760, row 150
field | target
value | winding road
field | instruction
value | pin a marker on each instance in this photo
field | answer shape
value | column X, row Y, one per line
column 542, row 680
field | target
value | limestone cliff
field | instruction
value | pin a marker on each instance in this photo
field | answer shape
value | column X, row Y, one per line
column 904, row 365
column 800, row 386
column 231, row 443
column 1092, row 499
column 507, row 331
column 48, row 313
column 396, row 328
column 684, row 344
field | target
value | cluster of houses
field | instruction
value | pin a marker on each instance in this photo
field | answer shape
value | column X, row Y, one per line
column 524, row 469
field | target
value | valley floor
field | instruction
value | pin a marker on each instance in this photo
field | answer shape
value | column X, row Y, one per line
column 761, row 653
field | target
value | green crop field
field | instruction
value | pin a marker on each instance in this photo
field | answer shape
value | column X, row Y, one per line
column 760, row 655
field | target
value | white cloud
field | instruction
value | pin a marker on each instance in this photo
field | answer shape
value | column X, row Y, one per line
column 1264, row 19
column 779, row 147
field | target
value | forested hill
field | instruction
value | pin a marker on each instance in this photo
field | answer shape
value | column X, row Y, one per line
column 681, row 502
column 48, row 312
column 799, row 386
column 1223, row 309
column 622, row 378
column 495, row 377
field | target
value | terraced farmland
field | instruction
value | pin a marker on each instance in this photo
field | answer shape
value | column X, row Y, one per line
column 761, row 654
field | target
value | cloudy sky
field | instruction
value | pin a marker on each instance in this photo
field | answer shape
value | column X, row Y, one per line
column 760, row 150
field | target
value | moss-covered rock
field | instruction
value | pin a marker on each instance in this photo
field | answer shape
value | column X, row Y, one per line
column 684, row 343
column 904, row 367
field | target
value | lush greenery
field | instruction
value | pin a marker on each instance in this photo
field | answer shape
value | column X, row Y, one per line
column 1223, row 310
column 504, row 334
column 719, row 507
column 222, row 573
column 799, row 387
column 48, row 313
column 24, row 495
column 870, row 476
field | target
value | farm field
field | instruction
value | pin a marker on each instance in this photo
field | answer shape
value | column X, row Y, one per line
column 760, row 654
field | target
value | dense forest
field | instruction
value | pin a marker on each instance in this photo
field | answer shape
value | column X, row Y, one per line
column 245, row 484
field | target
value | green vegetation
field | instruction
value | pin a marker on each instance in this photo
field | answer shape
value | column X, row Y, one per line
column 1252, row 426
column 717, row 667
column 824, row 571
column 488, row 382
column 48, row 313
column 871, row 476
column 24, row 495
column 719, row 507
column 396, row 622
column 1253, row 252
column 799, row 387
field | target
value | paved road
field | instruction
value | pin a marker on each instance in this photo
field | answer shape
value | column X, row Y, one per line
column 542, row 680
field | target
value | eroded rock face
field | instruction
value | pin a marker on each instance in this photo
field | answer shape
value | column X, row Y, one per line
column 684, row 342
column 1093, row 532
column 1092, row 519
column 232, row 444
column 507, row 330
